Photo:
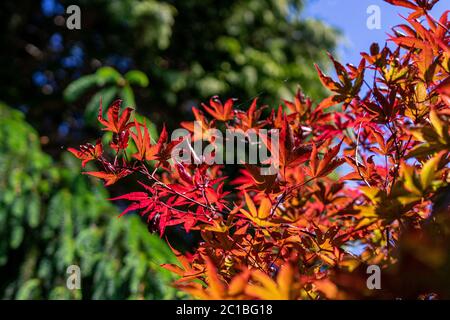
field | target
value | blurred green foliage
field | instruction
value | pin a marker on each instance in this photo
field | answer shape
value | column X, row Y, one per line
column 190, row 50
column 52, row 217
column 196, row 49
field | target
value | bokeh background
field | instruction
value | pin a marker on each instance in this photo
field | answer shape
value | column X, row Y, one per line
column 162, row 58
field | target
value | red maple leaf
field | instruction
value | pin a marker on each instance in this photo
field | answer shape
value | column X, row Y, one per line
column 160, row 151
column 218, row 110
column 322, row 167
column 109, row 177
column 88, row 152
column 113, row 122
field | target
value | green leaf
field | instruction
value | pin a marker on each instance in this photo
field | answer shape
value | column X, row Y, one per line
column 428, row 171
column 29, row 290
column 16, row 236
column 75, row 89
column 420, row 151
column 34, row 210
column 107, row 75
column 372, row 193
column 436, row 122
column 137, row 77
column 411, row 183
column 127, row 96
column 18, row 207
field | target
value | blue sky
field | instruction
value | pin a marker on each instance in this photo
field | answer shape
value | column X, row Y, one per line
column 350, row 16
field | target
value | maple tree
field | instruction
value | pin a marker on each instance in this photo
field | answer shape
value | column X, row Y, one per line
column 289, row 235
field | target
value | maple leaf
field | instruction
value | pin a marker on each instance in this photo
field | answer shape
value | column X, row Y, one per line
column 328, row 82
column 325, row 245
column 418, row 185
column 444, row 90
column 420, row 8
column 217, row 288
column 110, row 177
column 187, row 271
column 120, row 141
column 218, row 110
column 113, row 122
column 385, row 147
column 251, row 178
column 334, row 129
column 250, row 119
column 289, row 149
column 318, row 168
column 204, row 126
column 301, row 104
column 284, row 288
column 88, row 152
column 365, row 169
column 160, row 151
column 142, row 141
column 141, row 200
column 435, row 136
column 348, row 86
column 403, row 3
column 258, row 216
